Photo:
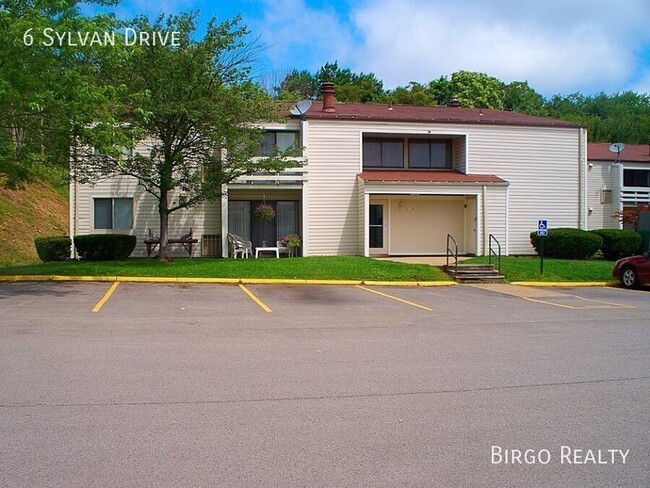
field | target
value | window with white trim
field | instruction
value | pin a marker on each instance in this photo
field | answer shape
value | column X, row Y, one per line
column 113, row 213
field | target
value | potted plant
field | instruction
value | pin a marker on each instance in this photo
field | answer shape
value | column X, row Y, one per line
column 264, row 211
column 292, row 241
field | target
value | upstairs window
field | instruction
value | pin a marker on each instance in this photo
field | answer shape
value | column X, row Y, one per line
column 426, row 154
column 282, row 140
column 406, row 153
column 636, row 177
column 380, row 152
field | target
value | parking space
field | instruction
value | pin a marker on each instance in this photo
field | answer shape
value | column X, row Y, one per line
column 196, row 384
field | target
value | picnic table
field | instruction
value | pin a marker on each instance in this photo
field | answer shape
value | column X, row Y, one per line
column 187, row 241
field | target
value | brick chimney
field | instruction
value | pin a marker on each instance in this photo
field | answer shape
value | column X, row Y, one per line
column 327, row 89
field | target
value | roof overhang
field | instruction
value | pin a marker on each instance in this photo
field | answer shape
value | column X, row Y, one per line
column 428, row 177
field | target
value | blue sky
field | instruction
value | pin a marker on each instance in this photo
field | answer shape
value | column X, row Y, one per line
column 558, row 46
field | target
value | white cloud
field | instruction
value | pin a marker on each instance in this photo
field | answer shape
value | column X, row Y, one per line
column 558, row 46
column 296, row 33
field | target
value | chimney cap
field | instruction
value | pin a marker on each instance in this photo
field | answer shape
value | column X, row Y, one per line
column 453, row 102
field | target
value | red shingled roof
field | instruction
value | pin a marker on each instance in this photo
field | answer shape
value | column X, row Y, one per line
column 436, row 176
column 637, row 153
column 431, row 114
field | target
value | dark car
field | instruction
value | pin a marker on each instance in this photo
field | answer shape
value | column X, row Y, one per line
column 633, row 271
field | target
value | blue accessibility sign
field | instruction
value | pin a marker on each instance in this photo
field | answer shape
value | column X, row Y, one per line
column 542, row 227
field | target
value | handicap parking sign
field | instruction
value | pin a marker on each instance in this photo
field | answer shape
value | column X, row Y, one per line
column 542, row 227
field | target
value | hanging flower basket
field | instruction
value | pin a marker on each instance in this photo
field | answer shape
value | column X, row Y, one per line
column 264, row 211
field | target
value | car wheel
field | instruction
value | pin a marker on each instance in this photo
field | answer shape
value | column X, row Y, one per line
column 629, row 278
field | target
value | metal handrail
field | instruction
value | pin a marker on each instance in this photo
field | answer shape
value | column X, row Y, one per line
column 492, row 251
column 453, row 253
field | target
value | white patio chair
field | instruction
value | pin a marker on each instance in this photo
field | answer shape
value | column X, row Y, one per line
column 239, row 246
column 282, row 249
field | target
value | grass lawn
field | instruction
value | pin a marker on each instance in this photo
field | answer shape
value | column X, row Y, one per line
column 310, row 268
column 527, row 269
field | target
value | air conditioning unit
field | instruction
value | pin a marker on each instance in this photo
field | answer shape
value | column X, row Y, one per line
column 211, row 245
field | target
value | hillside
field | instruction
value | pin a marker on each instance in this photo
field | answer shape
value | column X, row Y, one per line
column 36, row 210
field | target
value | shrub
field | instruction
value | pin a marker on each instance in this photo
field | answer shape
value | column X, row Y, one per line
column 618, row 243
column 568, row 243
column 104, row 247
column 53, row 248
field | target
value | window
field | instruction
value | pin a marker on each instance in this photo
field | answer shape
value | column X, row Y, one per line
column 636, row 177
column 113, row 213
column 425, row 153
column 242, row 220
column 282, row 140
column 383, row 153
column 125, row 151
column 239, row 218
column 407, row 152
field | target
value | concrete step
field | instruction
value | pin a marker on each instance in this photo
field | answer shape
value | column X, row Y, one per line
column 474, row 273
column 480, row 279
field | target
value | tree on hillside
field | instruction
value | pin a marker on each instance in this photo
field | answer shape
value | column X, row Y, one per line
column 350, row 87
column 298, row 85
column 621, row 117
column 47, row 92
column 475, row 90
column 519, row 97
column 195, row 107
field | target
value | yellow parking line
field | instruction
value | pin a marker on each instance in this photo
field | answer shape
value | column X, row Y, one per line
column 254, row 298
column 395, row 298
column 586, row 307
column 105, row 298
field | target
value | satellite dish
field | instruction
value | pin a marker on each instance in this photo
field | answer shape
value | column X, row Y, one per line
column 300, row 108
column 617, row 147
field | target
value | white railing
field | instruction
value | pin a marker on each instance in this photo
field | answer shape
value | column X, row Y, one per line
column 291, row 175
column 635, row 194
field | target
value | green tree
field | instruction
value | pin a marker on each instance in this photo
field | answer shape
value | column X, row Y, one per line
column 413, row 94
column 475, row 90
column 195, row 108
column 520, row 97
column 47, row 92
column 352, row 87
column 621, row 117
column 298, row 85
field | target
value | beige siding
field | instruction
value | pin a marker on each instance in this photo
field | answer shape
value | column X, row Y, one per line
column 333, row 213
column 599, row 177
column 495, row 217
column 204, row 219
column 541, row 165
column 459, row 154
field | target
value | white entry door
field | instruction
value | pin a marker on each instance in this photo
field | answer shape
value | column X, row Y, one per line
column 377, row 231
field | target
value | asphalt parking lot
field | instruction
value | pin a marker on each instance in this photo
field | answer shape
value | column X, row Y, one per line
column 283, row 385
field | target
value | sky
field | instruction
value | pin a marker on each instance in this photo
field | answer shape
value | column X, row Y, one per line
column 558, row 46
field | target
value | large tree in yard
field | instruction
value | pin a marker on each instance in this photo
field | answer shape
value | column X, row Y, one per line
column 194, row 108
column 49, row 92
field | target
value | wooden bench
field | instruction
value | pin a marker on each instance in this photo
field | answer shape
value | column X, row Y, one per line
column 187, row 241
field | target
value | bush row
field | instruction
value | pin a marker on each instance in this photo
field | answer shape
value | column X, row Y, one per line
column 91, row 247
column 568, row 243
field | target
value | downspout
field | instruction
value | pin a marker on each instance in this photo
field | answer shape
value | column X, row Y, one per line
column 484, row 218
column 75, row 201
column 507, row 236
column 304, row 130
column 224, row 221
column 582, row 195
